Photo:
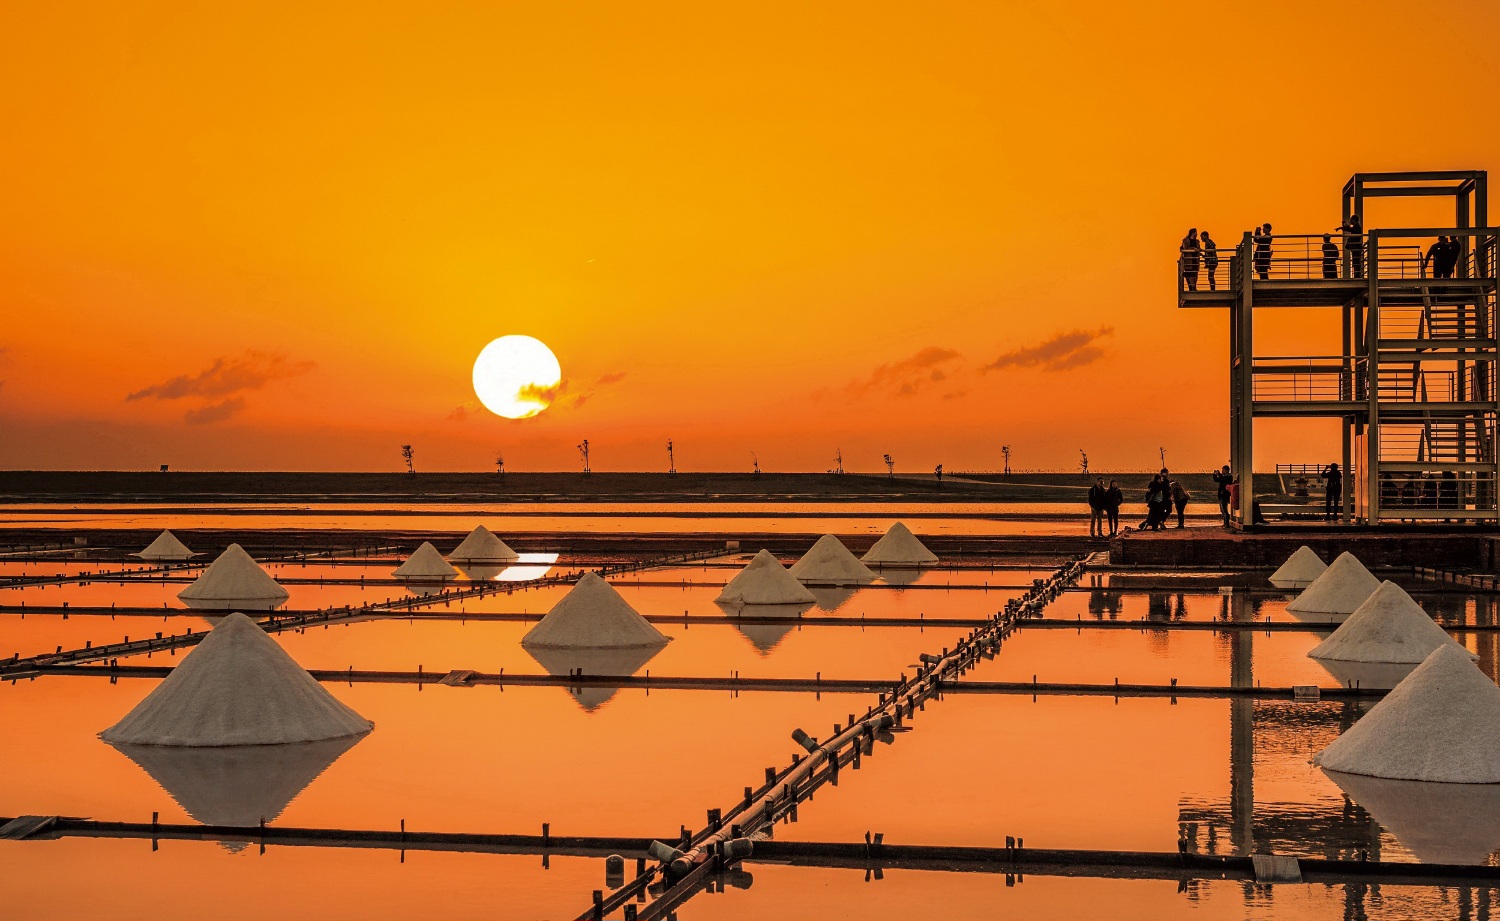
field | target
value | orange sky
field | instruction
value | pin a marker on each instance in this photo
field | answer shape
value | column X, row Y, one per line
column 288, row 229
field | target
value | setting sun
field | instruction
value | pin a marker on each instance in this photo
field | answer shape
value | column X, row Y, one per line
column 516, row 377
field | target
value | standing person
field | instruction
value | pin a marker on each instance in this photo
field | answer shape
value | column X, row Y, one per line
column 1113, row 499
column 1354, row 245
column 1262, row 238
column 1448, row 257
column 1190, row 251
column 1433, row 261
column 1330, row 257
column 1222, row 479
column 1448, row 491
column 1210, row 259
column 1333, row 492
column 1180, row 499
column 1097, row 494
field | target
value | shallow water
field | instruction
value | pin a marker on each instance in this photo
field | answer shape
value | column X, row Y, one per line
column 1234, row 776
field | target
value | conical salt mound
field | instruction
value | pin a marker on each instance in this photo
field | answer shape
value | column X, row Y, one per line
column 234, row 579
column 899, row 547
column 621, row 660
column 1338, row 591
column 1452, row 823
column 238, row 687
column 166, row 547
column 764, row 581
column 1388, row 627
column 240, row 785
column 593, row 614
column 481, row 546
column 426, row 565
column 1299, row 570
column 1441, row 724
column 829, row 562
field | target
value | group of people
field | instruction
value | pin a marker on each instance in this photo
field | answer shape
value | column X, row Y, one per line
column 1163, row 495
column 1200, row 252
column 1195, row 249
column 1442, row 257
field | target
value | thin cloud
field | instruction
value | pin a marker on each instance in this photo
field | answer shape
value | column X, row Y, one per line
column 613, row 377
column 909, row 375
column 226, row 376
column 1060, row 353
column 215, row 412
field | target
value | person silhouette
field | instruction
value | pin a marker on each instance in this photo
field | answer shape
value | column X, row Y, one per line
column 1262, row 238
column 1190, row 251
column 1354, row 245
column 1330, row 257
column 1333, row 492
column 1210, row 259
column 1432, row 263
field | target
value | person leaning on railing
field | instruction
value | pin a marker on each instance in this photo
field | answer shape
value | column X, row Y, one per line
column 1354, row 245
column 1330, row 257
column 1262, row 238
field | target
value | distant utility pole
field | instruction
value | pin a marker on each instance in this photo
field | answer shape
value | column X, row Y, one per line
column 671, row 459
column 1084, row 463
column 1005, row 449
column 583, row 450
column 500, row 465
column 1163, row 453
column 756, row 461
column 890, row 467
column 407, row 454
column 838, row 461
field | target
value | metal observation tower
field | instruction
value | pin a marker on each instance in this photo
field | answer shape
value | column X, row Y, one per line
column 1413, row 384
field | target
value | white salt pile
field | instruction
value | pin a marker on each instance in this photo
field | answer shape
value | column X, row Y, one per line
column 829, row 562
column 1452, row 823
column 619, row 660
column 426, row 565
column 1441, row 724
column 238, row 687
column 593, row 614
column 1388, row 627
column 1343, row 587
column 1299, row 570
column 764, row 581
column 481, row 546
column 166, row 547
column 240, row 785
column 899, row 547
column 234, row 580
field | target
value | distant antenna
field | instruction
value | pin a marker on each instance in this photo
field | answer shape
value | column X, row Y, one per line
column 583, row 450
column 1163, row 453
column 671, row 459
column 756, row 460
column 1005, row 449
column 500, row 465
column 838, row 461
column 407, row 454
column 890, row 467
column 1084, row 463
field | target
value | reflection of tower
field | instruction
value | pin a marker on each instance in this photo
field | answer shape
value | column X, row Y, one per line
column 1241, row 729
column 583, row 449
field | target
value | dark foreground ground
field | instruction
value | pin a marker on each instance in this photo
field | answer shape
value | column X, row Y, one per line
column 136, row 486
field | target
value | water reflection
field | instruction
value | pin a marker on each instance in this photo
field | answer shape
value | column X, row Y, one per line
column 830, row 597
column 765, row 636
column 597, row 660
column 238, row 785
column 527, row 567
column 1457, row 823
